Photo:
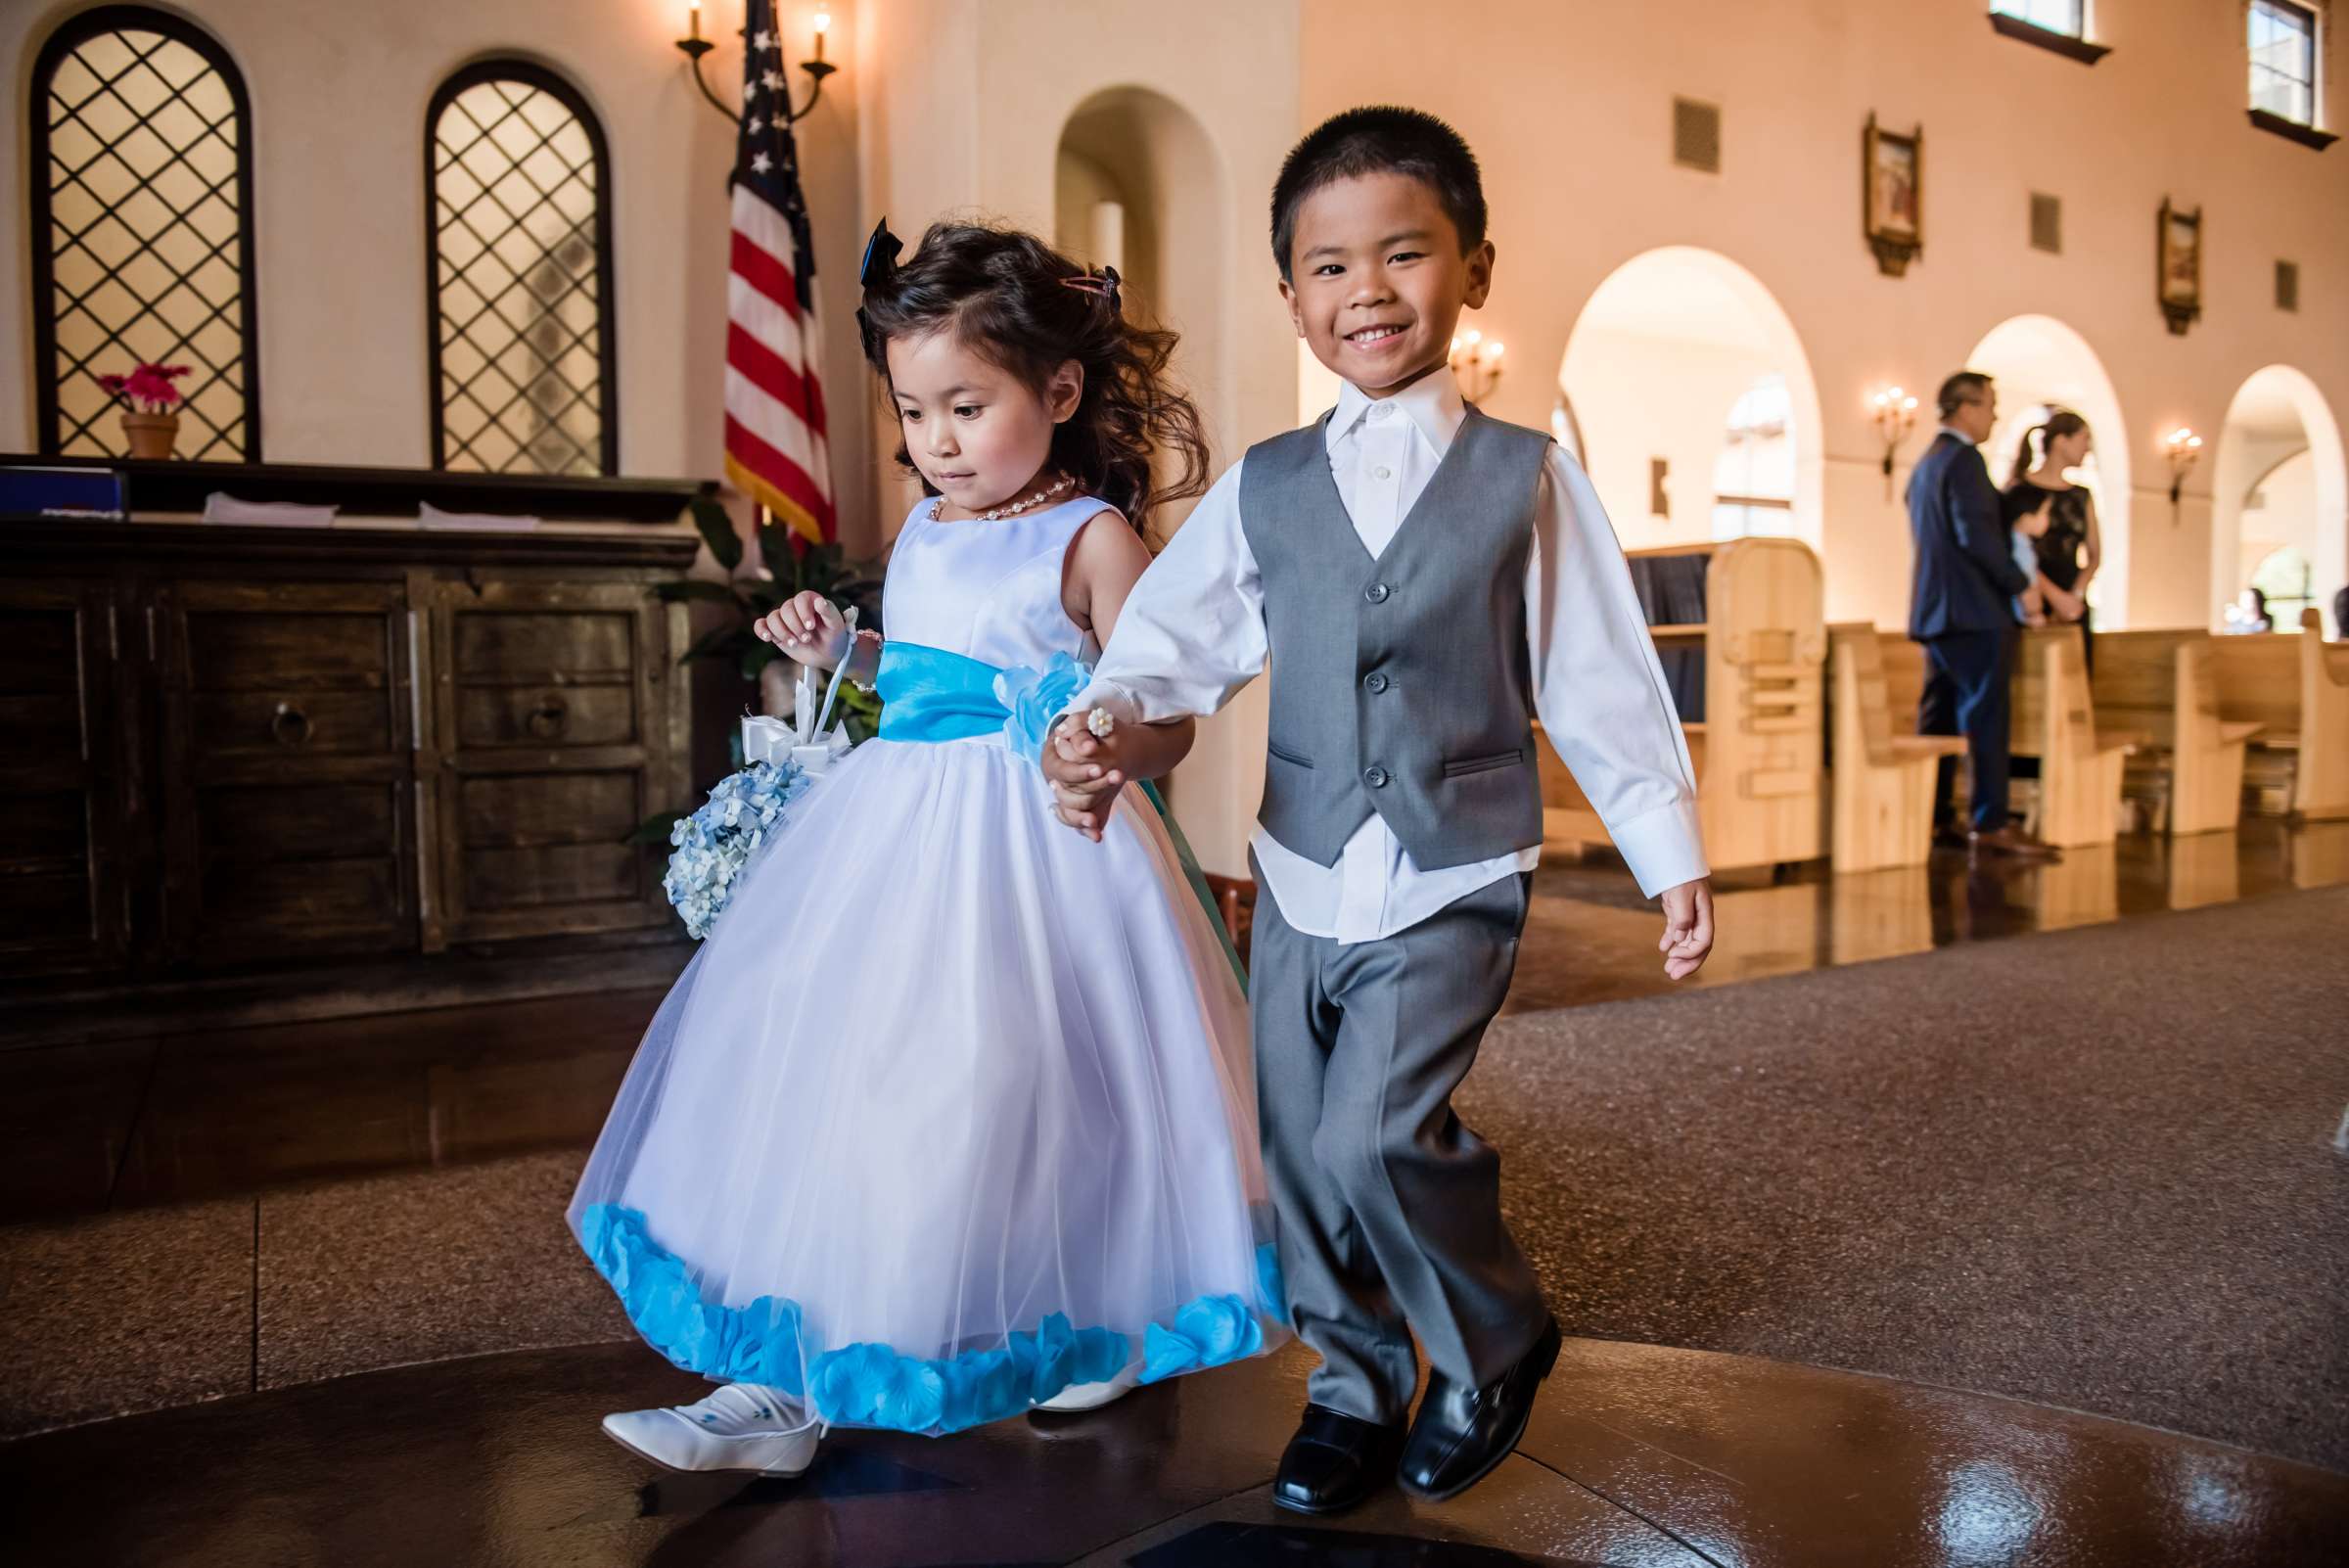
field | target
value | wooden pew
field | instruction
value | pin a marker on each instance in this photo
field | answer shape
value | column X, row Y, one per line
column 2081, row 762
column 2165, row 683
column 1882, row 775
column 1757, row 747
column 2297, row 690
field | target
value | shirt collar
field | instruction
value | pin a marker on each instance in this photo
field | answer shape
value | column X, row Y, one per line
column 1432, row 403
column 1951, row 430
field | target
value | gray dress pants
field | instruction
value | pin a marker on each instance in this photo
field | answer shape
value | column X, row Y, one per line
column 1389, row 1206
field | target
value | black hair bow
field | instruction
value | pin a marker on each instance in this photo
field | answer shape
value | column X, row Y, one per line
column 880, row 264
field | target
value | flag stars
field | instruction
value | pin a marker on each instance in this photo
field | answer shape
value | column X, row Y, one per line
column 756, row 126
column 761, row 163
column 773, row 80
column 763, row 41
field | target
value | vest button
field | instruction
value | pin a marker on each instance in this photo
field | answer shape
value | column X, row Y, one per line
column 1375, row 777
column 1377, row 592
column 1376, row 681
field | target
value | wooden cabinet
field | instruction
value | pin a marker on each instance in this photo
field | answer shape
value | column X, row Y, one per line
column 554, row 732
column 223, row 748
column 62, row 804
column 290, row 807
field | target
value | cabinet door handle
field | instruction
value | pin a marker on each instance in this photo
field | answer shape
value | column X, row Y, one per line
column 549, row 718
column 289, row 725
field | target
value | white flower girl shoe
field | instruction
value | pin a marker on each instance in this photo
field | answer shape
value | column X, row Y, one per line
column 1092, row 1396
column 742, row 1426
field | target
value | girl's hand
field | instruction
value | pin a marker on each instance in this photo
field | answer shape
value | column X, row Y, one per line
column 807, row 627
column 1688, row 928
column 1085, row 777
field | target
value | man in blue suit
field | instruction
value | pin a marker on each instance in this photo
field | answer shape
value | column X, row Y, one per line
column 1961, row 610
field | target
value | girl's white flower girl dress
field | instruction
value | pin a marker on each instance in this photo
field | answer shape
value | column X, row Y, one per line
column 953, row 1110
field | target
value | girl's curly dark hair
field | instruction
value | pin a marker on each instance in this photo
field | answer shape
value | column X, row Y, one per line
column 1024, row 306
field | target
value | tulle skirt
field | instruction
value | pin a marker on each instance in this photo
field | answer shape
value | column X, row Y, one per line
column 951, row 1111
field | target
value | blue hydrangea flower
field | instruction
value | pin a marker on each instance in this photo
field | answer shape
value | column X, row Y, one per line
column 710, row 849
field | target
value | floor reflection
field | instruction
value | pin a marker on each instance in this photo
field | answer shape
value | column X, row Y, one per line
column 1591, row 938
column 167, row 1116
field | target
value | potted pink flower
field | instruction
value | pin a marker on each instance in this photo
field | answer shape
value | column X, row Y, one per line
column 150, row 401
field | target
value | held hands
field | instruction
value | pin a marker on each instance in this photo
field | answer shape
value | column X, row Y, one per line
column 1086, row 770
column 807, row 627
column 1688, row 928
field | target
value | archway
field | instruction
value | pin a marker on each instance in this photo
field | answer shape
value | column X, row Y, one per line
column 1137, row 186
column 2041, row 363
column 2279, row 490
column 1695, row 404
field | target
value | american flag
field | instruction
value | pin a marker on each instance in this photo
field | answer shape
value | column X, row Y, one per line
column 775, row 447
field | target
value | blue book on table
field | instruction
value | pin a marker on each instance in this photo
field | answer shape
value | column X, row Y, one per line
column 95, row 493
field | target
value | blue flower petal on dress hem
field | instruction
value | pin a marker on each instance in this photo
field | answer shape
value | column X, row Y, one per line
column 869, row 1384
column 1272, row 1291
column 1208, row 1333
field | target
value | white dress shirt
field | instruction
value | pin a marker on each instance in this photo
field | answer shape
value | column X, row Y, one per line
column 1192, row 632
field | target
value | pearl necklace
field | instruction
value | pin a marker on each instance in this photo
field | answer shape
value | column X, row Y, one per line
column 1015, row 508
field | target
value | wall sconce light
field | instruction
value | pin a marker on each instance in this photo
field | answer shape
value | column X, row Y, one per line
column 694, row 46
column 1896, row 416
column 2184, row 448
column 1476, row 364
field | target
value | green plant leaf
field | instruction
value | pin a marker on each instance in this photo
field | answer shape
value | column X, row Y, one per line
column 697, row 588
column 719, row 643
column 756, row 655
column 717, row 532
column 775, row 548
column 655, row 830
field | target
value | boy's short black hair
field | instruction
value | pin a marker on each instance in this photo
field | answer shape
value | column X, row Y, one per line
column 1380, row 139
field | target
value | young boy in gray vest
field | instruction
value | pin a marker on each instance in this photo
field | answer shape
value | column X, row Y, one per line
column 1422, row 578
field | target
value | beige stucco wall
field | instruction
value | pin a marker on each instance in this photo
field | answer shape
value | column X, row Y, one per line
column 962, row 105
column 338, row 134
column 1570, row 109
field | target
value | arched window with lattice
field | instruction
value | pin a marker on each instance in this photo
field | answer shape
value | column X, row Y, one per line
column 520, row 233
column 142, row 231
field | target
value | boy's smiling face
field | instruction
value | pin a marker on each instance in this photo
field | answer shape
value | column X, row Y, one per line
column 1377, row 280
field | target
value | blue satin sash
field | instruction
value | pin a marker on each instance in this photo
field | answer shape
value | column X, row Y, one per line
column 930, row 694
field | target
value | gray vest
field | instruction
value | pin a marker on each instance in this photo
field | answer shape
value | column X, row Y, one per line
column 1400, row 685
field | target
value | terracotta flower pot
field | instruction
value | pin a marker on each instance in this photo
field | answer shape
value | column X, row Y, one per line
column 150, row 435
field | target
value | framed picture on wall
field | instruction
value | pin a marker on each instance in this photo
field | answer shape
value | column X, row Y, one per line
column 1892, row 189
column 2179, row 267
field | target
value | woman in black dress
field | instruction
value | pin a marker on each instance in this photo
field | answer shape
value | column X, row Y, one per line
column 2071, row 550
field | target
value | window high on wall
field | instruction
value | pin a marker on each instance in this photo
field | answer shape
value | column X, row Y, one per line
column 1753, row 477
column 2284, row 61
column 2067, row 17
column 142, row 204
column 522, row 353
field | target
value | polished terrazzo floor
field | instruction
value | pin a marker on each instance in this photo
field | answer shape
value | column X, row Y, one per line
column 1801, row 1170
column 1638, row 1457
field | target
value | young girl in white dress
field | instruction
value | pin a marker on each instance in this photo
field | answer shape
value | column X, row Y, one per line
column 952, row 1116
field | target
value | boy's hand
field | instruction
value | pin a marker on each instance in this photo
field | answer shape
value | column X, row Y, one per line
column 1687, row 927
column 1084, row 774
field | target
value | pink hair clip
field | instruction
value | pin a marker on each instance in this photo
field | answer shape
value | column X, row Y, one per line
column 1108, row 286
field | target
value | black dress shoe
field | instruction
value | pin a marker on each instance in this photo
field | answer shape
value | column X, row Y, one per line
column 1334, row 1461
column 1462, row 1433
